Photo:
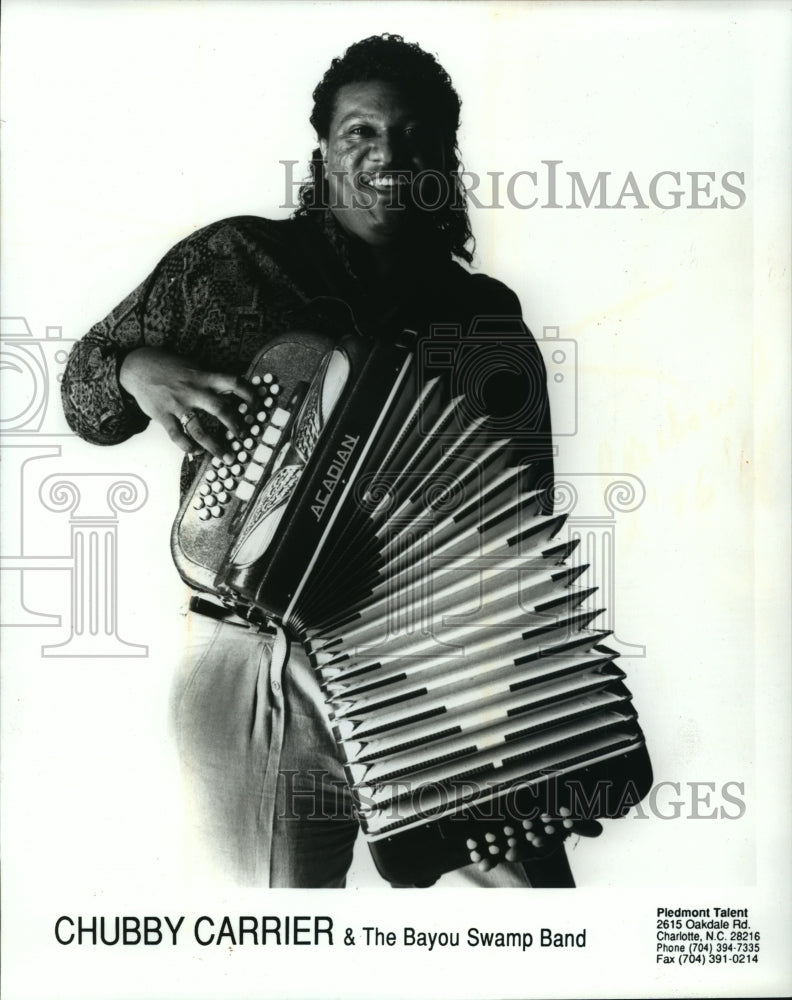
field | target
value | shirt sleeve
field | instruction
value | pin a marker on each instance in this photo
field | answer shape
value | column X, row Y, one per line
column 96, row 406
column 518, row 398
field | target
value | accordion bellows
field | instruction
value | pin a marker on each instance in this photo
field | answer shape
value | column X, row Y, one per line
column 370, row 514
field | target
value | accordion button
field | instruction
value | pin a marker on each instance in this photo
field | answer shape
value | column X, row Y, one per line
column 280, row 417
column 274, row 388
column 216, row 463
column 203, row 489
column 228, row 458
column 210, row 501
column 222, row 497
column 211, row 475
column 475, row 856
column 268, row 402
column 235, row 445
column 249, row 418
column 217, row 511
column 261, row 415
column 223, row 472
column 248, row 442
column 198, row 504
column 230, row 483
column 262, row 454
column 268, row 377
column 509, row 831
column 229, row 435
column 242, row 408
column 256, row 380
column 490, row 838
column 243, row 456
column 204, row 515
column 236, row 469
column 244, row 491
column 255, row 430
column 217, row 486
column 493, row 848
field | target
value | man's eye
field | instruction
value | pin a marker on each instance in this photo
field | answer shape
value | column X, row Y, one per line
column 360, row 130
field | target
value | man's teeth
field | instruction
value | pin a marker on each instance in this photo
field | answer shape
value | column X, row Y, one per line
column 386, row 181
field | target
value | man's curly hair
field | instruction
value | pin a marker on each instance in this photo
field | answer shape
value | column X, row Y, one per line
column 388, row 58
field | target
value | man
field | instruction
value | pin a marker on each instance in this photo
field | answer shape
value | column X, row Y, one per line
column 379, row 222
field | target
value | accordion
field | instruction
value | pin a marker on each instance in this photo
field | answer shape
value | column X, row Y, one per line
column 369, row 513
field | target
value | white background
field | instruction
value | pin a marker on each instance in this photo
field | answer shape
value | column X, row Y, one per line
column 126, row 125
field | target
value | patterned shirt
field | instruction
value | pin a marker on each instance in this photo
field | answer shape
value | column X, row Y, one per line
column 217, row 296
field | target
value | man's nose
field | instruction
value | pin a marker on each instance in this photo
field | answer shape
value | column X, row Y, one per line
column 381, row 150
column 388, row 150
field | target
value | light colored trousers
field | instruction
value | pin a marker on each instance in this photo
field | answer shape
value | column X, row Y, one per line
column 266, row 796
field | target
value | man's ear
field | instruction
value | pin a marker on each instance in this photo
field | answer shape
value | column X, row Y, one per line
column 323, row 148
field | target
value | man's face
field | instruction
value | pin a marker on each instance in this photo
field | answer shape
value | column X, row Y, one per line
column 378, row 142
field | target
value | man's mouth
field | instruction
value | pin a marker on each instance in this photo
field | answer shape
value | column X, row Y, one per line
column 382, row 181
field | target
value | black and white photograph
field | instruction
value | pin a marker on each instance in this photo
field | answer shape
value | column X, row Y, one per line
column 395, row 446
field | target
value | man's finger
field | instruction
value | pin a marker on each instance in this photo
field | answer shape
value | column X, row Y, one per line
column 227, row 411
column 233, row 384
column 587, row 828
column 198, row 434
column 179, row 438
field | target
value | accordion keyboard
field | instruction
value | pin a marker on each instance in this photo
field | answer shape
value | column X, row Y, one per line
column 240, row 468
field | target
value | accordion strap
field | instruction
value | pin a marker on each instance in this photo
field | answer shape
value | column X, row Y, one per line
column 229, row 615
column 551, row 871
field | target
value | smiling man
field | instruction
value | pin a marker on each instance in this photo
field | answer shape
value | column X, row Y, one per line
column 370, row 248
column 378, row 151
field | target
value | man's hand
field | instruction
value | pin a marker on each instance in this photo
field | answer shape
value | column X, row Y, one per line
column 529, row 840
column 166, row 387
